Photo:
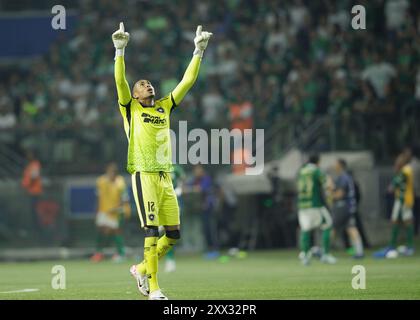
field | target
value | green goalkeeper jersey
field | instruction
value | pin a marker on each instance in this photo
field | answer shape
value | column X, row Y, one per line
column 311, row 181
column 147, row 128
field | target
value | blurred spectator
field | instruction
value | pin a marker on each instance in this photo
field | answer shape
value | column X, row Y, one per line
column 379, row 74
column 213, row 106
column 241, row 111
column 240, row 158
column 417, row 94
column 203, row 184
column 280, row 59
column 8, row 121
column 32, row 184
column 227, row 235
column 396, row 13
column 298, row 13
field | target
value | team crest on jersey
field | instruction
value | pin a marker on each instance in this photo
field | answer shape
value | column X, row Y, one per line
column 160, row 109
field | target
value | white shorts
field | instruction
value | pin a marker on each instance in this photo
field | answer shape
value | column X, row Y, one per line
column 312, row 218
column 402, row 212
column 103, row 220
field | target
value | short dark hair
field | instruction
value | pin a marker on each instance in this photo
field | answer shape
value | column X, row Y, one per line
column 343, row 163
column 314, row 158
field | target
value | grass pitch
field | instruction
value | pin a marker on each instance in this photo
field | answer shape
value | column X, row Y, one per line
column 262, row 275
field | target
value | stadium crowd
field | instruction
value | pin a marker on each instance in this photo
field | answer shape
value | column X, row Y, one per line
column 269, row 62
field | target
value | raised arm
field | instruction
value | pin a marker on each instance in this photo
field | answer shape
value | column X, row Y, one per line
column 188, row 79
column 123, row 89
column 120, row 39
column 201, row 40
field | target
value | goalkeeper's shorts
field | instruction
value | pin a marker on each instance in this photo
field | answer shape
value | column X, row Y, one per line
column 155, row 198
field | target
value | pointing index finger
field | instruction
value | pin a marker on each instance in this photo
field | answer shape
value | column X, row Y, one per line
column 122, row 26
column 198, row 32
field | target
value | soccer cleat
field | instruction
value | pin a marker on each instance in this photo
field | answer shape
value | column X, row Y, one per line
column 211, row 255
column 242, row 254
column 383, row 252
column 141, row 280
column 328, row 258
column 409, row 252
column 97, row 257
column 170, row 265
column 401, row 250
column 405, row 251
column 157, row 295
column 305, row 258
column 350, row 251
column 316, row 252
column 391, row 254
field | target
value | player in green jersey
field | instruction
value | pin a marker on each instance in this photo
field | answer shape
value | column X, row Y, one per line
column 312, row 211
column 146, row 123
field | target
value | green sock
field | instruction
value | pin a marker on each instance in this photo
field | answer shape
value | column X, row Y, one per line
column 326, row 236
column 170, row 255
column 305, row 241
column 410, row 235
column 107, row 240
column 394, row 235
column 100, row 241
column 119, row 242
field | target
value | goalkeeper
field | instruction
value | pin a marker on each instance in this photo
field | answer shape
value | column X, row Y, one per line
column 146, row 124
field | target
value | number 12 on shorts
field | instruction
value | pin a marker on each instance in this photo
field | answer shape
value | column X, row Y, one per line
column 151, row 206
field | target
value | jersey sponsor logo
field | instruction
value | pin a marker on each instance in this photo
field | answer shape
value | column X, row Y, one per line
column 147, row 118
